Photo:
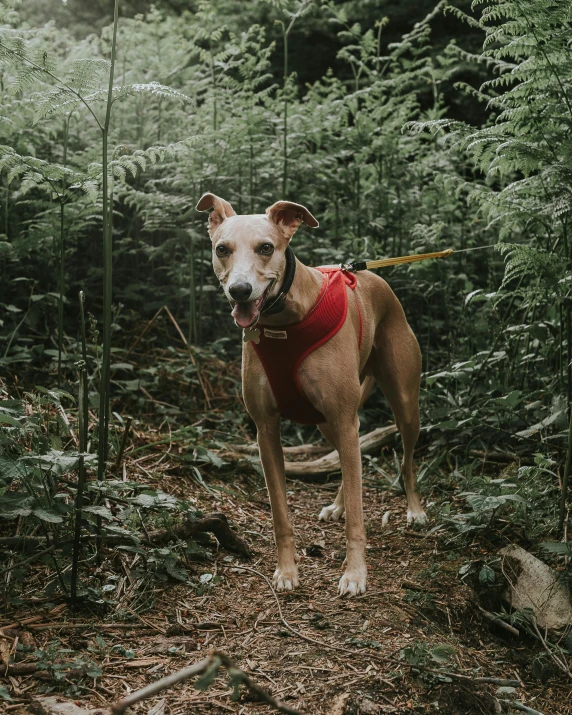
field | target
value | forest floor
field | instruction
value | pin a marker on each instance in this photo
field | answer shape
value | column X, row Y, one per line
column 415, row 642
column 347, row 657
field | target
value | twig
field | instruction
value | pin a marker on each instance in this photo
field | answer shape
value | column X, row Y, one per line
column 142, row 333
column 559, row 662
column 123, row 443
column 22, row 622
column 181, row 334
column 184, row 339
column 523, row 708
column 31, row 558
column 499, row 622
column 235, row 672
column 506, row 682
column 119, row 707
column 507, row 457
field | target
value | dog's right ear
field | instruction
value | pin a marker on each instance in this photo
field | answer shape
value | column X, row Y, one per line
column 221, row 210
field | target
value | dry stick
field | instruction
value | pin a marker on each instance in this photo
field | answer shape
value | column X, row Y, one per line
column 565, row 479
column 142, row 333
column 158, row 686
column 31, row 558
column 123, row 443
column 184, row 339
column 21, row 622
column 499, row 622
column 523, row 708
column 178, row 329
column 506, row 682
column 560, row 663
column 238, row 674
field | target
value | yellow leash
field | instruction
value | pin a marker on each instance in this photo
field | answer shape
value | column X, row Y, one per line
column 397, row 261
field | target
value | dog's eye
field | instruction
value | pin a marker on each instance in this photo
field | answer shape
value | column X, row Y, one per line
column 266, row 249
column 221, row 251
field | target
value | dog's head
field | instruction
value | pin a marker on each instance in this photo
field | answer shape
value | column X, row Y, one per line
column 249, row 252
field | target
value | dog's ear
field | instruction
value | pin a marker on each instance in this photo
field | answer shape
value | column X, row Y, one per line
column 289, row 216
column 221, row 210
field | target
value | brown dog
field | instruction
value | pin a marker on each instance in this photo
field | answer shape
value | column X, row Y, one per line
column 373, row 344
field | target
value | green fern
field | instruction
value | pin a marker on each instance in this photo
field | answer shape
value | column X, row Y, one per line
column 521, row 261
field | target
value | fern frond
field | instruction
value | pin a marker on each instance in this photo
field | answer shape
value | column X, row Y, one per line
column 87, row 73
column 526, row 261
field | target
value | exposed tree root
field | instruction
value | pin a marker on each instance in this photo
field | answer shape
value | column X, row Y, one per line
column 330, row 462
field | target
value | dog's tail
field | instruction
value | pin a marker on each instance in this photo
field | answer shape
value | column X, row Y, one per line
column 366, row 388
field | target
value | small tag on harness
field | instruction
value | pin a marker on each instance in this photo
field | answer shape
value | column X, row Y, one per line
column 276, row 334
column 251, row 335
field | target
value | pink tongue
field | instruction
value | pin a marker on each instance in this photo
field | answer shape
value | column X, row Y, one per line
column 245, row 314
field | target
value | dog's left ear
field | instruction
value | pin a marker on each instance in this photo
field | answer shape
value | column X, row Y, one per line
column 289, row 216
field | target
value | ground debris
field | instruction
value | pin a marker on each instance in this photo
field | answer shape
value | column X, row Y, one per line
column 533, row 584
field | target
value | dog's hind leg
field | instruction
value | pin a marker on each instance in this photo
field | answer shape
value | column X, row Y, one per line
column 397, row 369
column 335, row 511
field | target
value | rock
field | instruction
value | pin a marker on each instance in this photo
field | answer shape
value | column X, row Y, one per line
column 533, row 584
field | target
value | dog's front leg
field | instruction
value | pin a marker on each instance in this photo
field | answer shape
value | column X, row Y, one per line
column 353, row 582
column 272, row 458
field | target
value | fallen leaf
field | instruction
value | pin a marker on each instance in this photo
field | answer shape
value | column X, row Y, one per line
column 339, row 704
column 5, row 651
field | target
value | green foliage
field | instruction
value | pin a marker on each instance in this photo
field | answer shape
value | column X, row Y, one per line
column 423, row 654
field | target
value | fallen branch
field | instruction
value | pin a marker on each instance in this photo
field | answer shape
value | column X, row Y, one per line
column 523, row 708
column 216, row 524
column 330, row 462
column 214, row 661
column 495, row 620
column 504, row 457
column 505, row 682
column 290, row 451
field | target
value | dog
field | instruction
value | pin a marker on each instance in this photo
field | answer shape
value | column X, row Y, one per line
column 279, row 302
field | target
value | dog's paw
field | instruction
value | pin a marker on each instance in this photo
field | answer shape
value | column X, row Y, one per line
column 416, row 516
column 285, row 579
column 331, row 513
column 352, row 583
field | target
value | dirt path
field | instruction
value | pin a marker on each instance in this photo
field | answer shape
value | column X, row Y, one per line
column 415, row 601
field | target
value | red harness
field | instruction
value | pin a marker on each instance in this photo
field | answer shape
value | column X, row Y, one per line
column 283, row 349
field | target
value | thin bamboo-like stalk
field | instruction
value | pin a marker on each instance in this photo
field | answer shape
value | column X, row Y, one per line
column 285, row 34
column 83, row 417
column 104, row 396
column 192, row 295
column 568, row 464
column 62, row 200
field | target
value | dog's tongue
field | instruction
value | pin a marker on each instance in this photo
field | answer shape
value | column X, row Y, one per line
column 245, row 314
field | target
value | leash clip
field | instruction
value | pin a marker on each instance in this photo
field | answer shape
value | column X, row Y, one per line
column 354, row 266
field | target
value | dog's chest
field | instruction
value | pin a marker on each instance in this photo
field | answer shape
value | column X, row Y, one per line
column 283, row 350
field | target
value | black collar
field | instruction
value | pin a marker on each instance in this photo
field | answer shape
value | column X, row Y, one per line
column 277, row 304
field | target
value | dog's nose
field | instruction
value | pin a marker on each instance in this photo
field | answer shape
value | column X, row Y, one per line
column 240, row 291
